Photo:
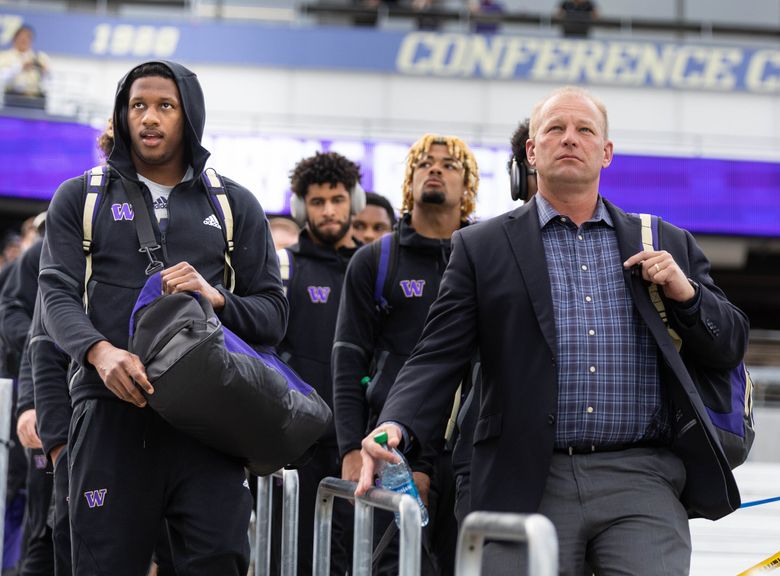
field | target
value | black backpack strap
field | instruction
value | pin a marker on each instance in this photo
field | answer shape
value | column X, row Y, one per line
column 385, row 251
column 143, row 227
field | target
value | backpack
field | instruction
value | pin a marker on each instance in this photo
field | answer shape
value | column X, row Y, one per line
column 385, row 252
column 731, row 413
column 95, row 184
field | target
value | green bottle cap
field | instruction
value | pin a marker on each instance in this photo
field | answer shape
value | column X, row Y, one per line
column 381, row 438
column 365, row 380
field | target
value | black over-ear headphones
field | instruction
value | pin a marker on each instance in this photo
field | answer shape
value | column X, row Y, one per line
column 298, row 205
column 518, row 180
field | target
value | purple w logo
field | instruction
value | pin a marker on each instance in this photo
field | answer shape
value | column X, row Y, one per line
column 95, row 497
column 412, row 288
column 319, row 294
column 122, row 212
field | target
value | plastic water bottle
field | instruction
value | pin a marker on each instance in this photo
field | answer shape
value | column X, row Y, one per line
column 398, row 478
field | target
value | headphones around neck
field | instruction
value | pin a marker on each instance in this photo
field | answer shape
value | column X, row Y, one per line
column 518, row 180
column 298, row 205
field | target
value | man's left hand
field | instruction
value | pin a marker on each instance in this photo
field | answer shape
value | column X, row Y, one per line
column 184, row 278
column 659, row 267
column 27, row 431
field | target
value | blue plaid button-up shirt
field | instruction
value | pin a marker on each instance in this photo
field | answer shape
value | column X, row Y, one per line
column 609, row 390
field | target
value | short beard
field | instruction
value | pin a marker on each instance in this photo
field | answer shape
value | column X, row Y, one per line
column 330, row 239
column 433, row 197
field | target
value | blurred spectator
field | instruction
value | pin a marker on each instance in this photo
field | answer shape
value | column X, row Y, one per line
column 370, row 18
column 577, row 16
column 12, row 247
column 375, row 220
column 31, row 231
column 425, row 19
column 24, row 72
column 284, row 231
column 485, row 7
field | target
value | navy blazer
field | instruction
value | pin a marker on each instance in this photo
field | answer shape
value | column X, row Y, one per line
column 495, row 296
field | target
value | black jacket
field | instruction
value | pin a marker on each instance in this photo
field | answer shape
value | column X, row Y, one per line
column 49, row 377
column 257, row 311
column 314, row 291
column 496, row 296
column 17, row 301
column 372, row 343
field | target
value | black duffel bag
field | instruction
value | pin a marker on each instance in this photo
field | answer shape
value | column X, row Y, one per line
column 213, row 386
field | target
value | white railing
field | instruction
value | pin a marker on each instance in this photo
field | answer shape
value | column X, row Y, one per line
column 410, row 529
column 533, row 529
column 263, row 515
column 6, row 401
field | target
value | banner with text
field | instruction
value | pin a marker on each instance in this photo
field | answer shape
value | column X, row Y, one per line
column 427, row 54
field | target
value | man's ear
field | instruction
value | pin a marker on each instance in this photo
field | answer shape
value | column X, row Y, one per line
column 608, row 153
column 530, row 151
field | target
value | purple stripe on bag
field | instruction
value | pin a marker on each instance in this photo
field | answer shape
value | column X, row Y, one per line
column 733, row 421
column 236, row 345
column 150, row 292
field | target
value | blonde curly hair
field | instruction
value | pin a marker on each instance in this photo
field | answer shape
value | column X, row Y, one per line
column 456, row 148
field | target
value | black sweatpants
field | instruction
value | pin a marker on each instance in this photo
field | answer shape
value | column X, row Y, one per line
column 61, row 521
column 129, row 470
column 38, row 553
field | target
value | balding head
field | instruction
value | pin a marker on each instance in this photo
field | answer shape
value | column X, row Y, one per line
column 538, row 109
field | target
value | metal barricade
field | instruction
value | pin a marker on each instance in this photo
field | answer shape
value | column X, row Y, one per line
column 534, row 529
column 289, row 553
column 6, row 401
column 405, row 505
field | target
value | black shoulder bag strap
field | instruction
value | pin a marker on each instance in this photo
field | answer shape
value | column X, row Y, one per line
column 143, row 227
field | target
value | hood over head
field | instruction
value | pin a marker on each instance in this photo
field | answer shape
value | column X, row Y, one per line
column 194, row 108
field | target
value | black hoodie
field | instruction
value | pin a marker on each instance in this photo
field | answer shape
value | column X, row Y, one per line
column 256, row 311
column 48, row 366
column 17, row 301
column 314, row 289
column 373, row 343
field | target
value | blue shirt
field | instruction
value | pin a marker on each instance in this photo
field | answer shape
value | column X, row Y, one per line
column 609, row 391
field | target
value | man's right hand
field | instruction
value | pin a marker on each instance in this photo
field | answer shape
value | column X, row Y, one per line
column 372, row 453
column 351, row 464
column 55, row 453
column 121, row 372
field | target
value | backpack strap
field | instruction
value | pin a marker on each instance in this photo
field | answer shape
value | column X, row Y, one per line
column 651, row 241
column 221, row 205
column 285, row 267
column 143, row 228
column 385, row 251
column 95, row 182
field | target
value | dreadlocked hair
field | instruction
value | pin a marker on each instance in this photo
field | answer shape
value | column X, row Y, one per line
column 456, row 148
